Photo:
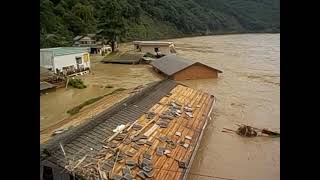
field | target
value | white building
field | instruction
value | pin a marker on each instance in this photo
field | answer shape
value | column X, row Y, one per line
column 154, row 47
column 65, row 60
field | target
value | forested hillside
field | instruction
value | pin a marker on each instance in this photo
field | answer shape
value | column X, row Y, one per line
column 61, row 20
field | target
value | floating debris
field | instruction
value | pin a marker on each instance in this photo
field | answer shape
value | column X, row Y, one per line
column 137, row 138
column 135, row 146
column 115, row 177
column 112, row 145
column 119, row 128
column 147, row 156
column 163, row 138
column 246, row 131
column 188, row 137
column 148, row 174
column 126, row 141
column 178, row 133
column 130, row 162
column 189, row 114
column 182, row 164
column 136, row 127
column 151, row 115
column 166, row 116
column 129, row 153
column 120, row 137
column 128, row 177
column 149, row 143
column 126, row 170
column 185, row 145
column 166, row 152
column 160, row 151
column 141, row 175
column 147, row 168
column 59, row 131
column 146, row 162
column 141, row 142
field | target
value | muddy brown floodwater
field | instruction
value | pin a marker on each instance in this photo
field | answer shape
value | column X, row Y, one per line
column 248, row 91
column 54, row 105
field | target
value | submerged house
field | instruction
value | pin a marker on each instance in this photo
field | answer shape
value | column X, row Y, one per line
column 154, row 47
column 90, row 40
column 157, row 119
column 65, row 60
column 178, row 68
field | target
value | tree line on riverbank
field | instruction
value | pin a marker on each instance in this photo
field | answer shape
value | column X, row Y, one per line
column 126, row 20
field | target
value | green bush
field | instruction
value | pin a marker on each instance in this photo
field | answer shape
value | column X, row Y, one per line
column 77, row 83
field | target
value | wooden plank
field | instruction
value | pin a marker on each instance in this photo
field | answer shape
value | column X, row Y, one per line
column 164, row 169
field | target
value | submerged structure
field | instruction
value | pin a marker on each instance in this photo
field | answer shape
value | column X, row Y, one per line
column 152, row 134
column 65, row 60
column 178, row 68
column 154, row 47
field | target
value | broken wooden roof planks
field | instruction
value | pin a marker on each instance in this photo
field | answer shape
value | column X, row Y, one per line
column 79, row 142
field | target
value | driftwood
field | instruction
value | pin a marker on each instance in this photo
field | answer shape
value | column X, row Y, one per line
column 264, row 131
column 249, row 131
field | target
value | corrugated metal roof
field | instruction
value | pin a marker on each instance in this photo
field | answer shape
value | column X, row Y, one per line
column 171, row 64
column 60, row 51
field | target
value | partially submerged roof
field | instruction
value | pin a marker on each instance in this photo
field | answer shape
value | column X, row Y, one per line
column 46, row 85
column 171, row 64
column 152, row 42
column 126, row 58
column 87, row 143
column 60, row 51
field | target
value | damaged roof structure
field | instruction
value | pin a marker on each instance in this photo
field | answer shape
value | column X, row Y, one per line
column 154, row 133
column 178, row 68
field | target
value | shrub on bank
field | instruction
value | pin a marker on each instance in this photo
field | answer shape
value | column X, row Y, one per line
column 77, row 83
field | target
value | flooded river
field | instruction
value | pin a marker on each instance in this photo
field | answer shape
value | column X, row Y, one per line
column 248, row 91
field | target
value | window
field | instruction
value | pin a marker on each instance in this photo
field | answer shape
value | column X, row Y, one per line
column 79, row 60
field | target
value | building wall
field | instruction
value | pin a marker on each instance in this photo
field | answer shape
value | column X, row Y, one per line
column 195, row 71
column 70, row 60
column 46, row 59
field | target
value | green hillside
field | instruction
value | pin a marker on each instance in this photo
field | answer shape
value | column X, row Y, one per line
column 61, row 20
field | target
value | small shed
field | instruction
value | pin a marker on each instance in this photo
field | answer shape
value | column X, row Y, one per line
column 178, row 68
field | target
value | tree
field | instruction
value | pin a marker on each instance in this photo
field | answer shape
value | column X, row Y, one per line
column 112, row 22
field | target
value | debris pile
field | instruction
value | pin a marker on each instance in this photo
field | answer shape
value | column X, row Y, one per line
column 246, row 131
column 249, row 131
column 113, row 154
